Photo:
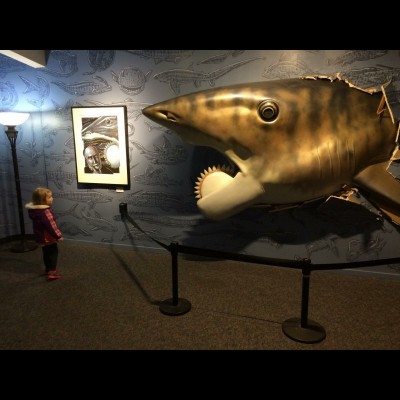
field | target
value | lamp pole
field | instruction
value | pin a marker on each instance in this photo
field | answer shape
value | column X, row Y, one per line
column 24, row 245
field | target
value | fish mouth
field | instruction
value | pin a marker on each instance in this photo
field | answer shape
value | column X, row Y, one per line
column 155, row 113
column 219, row 189
column 190, row 134
column 168, row 115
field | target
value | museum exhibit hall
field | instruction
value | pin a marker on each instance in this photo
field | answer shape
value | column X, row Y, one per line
column 200, row 199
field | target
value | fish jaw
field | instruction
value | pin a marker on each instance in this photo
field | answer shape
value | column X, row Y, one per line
column 222, row 196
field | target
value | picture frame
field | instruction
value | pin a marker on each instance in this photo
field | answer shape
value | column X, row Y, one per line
column 101, row 145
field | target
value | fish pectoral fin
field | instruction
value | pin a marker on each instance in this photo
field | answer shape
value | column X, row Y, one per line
column 222, row 196
column 381, row 188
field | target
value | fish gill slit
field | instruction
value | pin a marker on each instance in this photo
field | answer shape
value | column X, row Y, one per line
column 338, row 158
column 330, row 160
column 350, row 151
column 319, row 164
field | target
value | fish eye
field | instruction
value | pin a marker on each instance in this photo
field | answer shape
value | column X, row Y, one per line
column 268, row 110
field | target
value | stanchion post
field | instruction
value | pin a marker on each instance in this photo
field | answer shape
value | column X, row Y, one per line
column 174, row 255
column 305, row 295
column 175, row 305
column 302, row 329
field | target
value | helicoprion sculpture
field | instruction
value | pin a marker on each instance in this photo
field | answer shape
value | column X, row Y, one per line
column 293, row 141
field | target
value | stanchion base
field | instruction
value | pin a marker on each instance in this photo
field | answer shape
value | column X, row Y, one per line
column 313, row 332
column 182, row 307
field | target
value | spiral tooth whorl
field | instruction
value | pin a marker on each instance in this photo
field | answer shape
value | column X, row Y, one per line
column 207, row 172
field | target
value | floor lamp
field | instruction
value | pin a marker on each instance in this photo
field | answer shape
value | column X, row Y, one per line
column 10, row 120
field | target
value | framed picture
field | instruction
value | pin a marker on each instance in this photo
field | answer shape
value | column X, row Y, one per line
column 101, row 145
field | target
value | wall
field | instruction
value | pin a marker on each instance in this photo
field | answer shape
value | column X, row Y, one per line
column 163, row 169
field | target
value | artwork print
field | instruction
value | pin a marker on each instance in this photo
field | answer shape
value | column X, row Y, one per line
column 100, row 139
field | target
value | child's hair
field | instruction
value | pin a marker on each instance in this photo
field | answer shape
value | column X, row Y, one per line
column 39, row 196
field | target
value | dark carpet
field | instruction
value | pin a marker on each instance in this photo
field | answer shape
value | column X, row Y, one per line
column 109, row 298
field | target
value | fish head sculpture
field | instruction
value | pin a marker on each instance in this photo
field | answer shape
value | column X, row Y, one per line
column 293, row 140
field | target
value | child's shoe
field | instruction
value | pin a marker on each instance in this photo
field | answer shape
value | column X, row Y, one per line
column 53, row 274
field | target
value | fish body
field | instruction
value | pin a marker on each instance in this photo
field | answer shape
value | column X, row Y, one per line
column 293, row 140
column 104, row 126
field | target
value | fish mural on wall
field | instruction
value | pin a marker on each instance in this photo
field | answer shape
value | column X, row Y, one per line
column 293, row 141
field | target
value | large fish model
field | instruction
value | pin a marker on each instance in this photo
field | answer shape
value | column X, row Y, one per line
column 293, row 140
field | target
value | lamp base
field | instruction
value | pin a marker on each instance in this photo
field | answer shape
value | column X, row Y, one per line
column 17, row 245
column 23, row 246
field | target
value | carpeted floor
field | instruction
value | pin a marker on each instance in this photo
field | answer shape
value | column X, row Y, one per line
column 109, row 298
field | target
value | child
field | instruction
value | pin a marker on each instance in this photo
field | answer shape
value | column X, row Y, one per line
column 45, row 229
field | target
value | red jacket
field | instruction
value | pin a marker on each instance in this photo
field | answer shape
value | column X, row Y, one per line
column 44, row 221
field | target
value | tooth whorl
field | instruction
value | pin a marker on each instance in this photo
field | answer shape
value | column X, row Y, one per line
column 213, row 178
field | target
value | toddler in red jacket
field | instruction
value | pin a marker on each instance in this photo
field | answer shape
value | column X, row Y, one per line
column 45, row 228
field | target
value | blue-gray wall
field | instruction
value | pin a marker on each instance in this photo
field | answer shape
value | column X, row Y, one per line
column 163, row 169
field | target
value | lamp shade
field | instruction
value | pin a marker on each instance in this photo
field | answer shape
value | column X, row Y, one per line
column 13, row 118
